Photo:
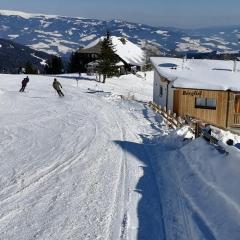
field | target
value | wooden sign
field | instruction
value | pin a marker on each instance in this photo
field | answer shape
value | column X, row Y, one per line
column 192, row 93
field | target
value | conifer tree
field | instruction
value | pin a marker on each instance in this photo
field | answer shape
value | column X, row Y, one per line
column 147, row 66
column 54, row 65
column 107, row 59
column 29, row 69
column 77, row 63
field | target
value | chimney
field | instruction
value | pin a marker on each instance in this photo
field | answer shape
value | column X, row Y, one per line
column 235, row 66
column 183, row 62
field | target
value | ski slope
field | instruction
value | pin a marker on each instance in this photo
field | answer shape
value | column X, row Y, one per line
column 92, row 166
column 63, row 175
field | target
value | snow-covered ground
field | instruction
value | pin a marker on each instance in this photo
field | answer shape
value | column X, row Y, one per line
column 93, row 165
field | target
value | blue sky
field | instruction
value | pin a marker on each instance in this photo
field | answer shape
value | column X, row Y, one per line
column 176, row 13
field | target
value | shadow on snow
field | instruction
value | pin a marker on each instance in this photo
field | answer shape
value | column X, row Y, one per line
column 151, row 224
column 151, row 214
column 77, row 78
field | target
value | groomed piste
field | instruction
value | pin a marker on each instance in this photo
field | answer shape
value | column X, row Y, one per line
column 100, row 164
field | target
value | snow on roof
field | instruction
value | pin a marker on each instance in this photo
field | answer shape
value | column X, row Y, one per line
column 126, row 50
column 199, row 73
column 94, row 43
column 120, row 64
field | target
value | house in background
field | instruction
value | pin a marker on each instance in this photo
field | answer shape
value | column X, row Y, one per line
column 208, row 90
column 131, row 56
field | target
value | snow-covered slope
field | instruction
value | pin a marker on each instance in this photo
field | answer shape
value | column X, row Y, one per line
column 24, row 14
column 62, row 35
column 94, row 166
column 200, row 184
column 14, row 56
column 62, row 175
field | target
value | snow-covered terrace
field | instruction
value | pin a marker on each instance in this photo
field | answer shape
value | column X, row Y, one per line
column 199, row 73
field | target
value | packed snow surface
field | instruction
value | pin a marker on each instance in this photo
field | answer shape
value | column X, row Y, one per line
column 98, row 165
column 199, row 73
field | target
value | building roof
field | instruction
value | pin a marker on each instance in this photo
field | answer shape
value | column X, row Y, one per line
column 94, row 47
column 129, row 52
column 199, row 73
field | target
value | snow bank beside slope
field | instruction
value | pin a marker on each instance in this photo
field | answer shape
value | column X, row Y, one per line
column 201, row 186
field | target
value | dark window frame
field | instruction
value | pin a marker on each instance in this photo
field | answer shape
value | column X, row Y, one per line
column 206, row 105
column 160, row 91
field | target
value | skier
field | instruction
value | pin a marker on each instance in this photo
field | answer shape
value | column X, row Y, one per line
column 57, row 86
column 24, row 84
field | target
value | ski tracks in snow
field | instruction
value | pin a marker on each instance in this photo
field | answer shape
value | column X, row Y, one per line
column 24, row 185
column 175, row 209
column 119, row 200
column 67, row 178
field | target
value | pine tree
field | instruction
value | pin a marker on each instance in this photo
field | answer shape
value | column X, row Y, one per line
column 54, row 65
column 73, row 65
column 77, row 63
column 147, row 66
column 29, row 69
column 107, row 59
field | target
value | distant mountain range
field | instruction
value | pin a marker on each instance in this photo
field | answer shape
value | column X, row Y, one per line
column 14, row 56
column 62, row 35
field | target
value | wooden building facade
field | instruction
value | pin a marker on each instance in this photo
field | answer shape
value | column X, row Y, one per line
column 220, row 108
column 174, row 89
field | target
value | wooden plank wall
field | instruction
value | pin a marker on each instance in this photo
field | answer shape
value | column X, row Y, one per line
column 186, row 105
column 231, row 109
column 176, row 101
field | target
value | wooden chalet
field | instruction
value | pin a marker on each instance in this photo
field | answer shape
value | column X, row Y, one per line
column 130, row 55
column 208, row 90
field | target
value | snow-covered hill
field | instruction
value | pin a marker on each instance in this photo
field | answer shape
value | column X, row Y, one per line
column 14, row 56
column 62, row 35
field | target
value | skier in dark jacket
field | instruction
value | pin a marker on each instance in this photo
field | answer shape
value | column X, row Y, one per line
column 24, row 84
column 57, row 86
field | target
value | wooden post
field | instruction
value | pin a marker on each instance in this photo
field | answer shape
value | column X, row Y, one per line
column 197, row 129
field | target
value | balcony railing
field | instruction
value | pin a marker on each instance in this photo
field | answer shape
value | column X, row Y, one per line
column 236, row 119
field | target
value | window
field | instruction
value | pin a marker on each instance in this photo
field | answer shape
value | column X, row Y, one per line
column 161, row 91
column 237, row 104
column 212, row 103
column 200, row 102
column 206, row 103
